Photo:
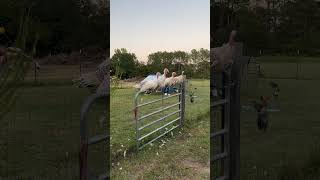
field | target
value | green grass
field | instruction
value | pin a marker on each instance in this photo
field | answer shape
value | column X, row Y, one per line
column 184, row 156
column 123, row 137
column 42, row 134
column 42, row 130
column 291, row 135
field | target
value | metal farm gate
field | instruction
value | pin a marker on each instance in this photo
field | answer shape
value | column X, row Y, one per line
column 225, row 120
column 85, row 141
column 158, row 116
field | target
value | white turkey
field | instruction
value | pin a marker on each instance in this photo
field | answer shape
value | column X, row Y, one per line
column 151, row 85
column 223, row 55
column 179, row 79
column 162, row 78
column 170, row 81
column 97, row 80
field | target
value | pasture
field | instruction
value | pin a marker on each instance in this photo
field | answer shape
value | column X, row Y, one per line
column 42, row 131
column 290, row 147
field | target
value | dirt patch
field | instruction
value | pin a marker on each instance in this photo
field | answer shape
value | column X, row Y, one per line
column 198, row 168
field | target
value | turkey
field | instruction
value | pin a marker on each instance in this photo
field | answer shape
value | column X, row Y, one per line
column 151, row 85
column 97, row 81
column 262, row 113
column 170, row 81
column 179, row 79
column 162, row 78
column 223, row 56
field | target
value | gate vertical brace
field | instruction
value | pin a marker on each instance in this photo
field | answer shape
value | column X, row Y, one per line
column 182, row 105
column 137, row 120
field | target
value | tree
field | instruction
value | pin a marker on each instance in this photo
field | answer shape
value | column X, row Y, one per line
column 124, row 63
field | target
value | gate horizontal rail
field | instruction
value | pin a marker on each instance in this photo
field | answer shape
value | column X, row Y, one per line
column 159, row 120
column 171, row 122
column 154, row 101
column 158, row 111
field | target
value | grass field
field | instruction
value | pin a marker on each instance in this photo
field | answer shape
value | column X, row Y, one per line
column 292, row 134
column 41, row 133
column 290, row 147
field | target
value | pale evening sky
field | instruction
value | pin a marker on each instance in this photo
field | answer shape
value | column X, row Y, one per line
column 147, row 26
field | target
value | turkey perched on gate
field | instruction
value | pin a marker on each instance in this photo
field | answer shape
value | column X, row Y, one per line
column 97, row 81
column 223, row 56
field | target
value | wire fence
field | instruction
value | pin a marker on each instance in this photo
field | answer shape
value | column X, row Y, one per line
column 58, row 73
column 41, row 134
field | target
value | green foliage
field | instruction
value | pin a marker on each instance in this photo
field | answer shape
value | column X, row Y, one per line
column 124, row 63
column 195, row 64
column 62, row 26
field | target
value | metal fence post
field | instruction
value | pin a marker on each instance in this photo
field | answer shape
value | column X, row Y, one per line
column 234, row 135
column 183, row 95
column 136, row 118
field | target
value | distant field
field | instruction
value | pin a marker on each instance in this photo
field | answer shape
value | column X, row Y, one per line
column 287, row 59
column 285, row 67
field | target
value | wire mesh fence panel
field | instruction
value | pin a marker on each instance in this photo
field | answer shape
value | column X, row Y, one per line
column 277, row 70
column 309, row 71
column 43, row 131
column 58, row 73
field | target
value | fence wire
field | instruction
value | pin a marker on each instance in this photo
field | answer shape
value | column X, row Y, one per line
column 42, row 132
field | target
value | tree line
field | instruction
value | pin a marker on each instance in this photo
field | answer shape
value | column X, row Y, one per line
column 275, row 27
column 194, row 63
column 53, row 27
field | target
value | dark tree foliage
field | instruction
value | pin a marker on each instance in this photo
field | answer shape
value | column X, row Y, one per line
column 61, row 25
column 195, row 64
column 273, row 26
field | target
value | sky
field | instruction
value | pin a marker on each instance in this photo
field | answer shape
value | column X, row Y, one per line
column 147, row 26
